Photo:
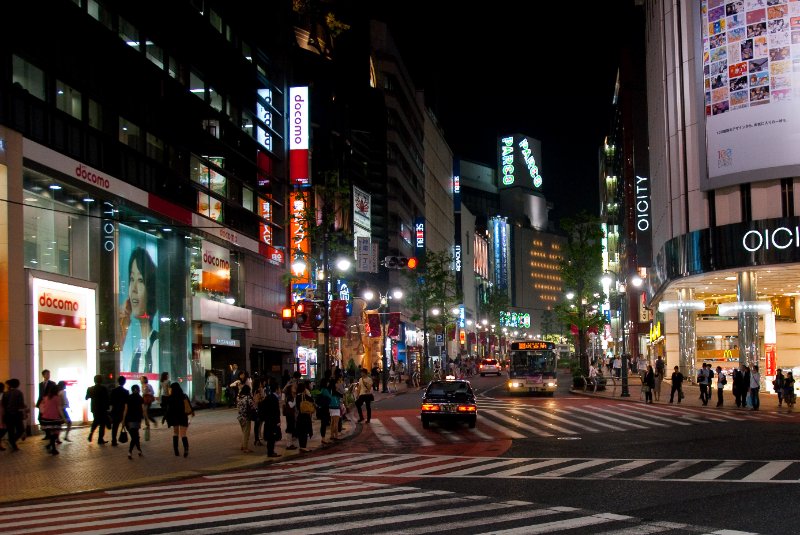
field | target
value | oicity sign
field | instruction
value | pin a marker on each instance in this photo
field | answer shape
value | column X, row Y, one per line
column 779, row 238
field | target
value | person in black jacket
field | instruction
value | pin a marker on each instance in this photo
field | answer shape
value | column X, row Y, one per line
column 677, row 385
column 99, row 407
column 118, row 398
column 648, row 384
column 179, row 408
column 132, row 417
column 272, row 417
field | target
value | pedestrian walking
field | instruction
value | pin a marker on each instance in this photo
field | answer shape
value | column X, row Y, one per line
column 44, row 386
column 148, row 397
column 737, row 387
column 132, row 417
column 290, row 392
column 51, row 416
column 323, row 402
column 788, row 390
column 118, row 398
column 62, row 393
column 259, row 394
column 99, row 407
column 335, row 408
column 617, row 365
column 246, row 411
column 364, row 395
column 660, row 372
column 376, row 374
column 703, row 381
column 212, row 383
column 179, row 408
column 777, row 385
column 306, row 408
column 677, row 385
column 755, row 386
column 649, row 384
column 163, row 395
column 272, row 416
column 721, row 382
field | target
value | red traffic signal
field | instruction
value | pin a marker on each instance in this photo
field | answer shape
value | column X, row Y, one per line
column 287, row 318
column 412, row 263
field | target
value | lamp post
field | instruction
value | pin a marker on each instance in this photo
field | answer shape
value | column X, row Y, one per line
column 383, row 311
column 342, row 264
column 444, row 354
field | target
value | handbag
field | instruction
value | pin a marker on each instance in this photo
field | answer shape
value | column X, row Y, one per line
column 187, row 407
column 307, row 407
column 123, row 437
column 148, row 399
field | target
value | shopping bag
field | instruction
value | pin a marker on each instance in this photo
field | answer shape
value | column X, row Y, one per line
column 123, row 437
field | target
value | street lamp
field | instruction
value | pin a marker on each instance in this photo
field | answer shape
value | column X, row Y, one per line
column 383, row 311
column 342, row 264
column 607, row 279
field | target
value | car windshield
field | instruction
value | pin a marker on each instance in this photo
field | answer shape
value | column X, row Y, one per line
column 533, row 361
column 442, row 388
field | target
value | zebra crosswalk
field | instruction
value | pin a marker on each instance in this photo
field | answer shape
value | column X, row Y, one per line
column 498, row 419
column 263, row 501
column 416, row 466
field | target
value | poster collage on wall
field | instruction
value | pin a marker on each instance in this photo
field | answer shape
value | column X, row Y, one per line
column 751, row 49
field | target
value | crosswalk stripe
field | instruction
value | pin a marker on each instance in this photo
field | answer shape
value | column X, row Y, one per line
column 505, row 431
column 647, row 529
column 402, row 466
column 490, row 466
column 542, row 422
column 519, row 424
column 551, row 416
column 451, row 436
column 625, row 412
column 716, row 471
column 614, row 419
column 376, row 521
column 506, row 517
column 448, row 466
column 593, row 422
column 480, row 434
column 571, row 469
column 622, row 468
column 768, row 471
column 413, row 431
column 530, row 466
column 655, row 414
column 382, row 433
column 560, row 525
column 670, row 469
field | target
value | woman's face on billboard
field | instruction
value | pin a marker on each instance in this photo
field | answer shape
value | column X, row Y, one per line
column 137, row 292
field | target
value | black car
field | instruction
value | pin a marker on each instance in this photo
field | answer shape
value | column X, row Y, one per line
column 449, row 400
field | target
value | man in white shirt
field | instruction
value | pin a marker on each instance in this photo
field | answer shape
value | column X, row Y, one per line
column 755, row 386
column 617, row 366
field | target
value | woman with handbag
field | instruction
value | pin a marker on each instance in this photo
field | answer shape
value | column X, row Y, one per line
column 304, row 402
column 148, row 397
column 132, row 419
column 179, row 408
column 51, row 416
column 246, row 409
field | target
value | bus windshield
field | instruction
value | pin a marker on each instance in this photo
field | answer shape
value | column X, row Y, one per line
column 530, row 362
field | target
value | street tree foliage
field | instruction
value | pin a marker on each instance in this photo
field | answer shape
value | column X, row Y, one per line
column 495, row 301
column 435, row 287
column 552, row 328
column 581, row 270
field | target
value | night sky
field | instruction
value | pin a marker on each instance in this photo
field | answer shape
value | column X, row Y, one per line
column 544, row 69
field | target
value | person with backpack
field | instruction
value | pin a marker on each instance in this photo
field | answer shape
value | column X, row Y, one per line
column 677, row 385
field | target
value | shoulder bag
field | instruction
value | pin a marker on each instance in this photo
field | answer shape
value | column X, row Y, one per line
column 187, row 406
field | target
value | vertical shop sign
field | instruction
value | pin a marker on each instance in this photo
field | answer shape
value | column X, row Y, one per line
column 298, row 235
column 644, row 252
column 298, row 136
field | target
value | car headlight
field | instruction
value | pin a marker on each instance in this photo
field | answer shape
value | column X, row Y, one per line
column 551, row 384
column 514, row 385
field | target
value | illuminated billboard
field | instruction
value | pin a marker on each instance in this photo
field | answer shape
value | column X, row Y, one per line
column 298, row 136
column 519, row 158
column 750, row 50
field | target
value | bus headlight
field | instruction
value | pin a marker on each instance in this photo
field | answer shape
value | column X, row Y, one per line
column 551, row 384
column 514, row 385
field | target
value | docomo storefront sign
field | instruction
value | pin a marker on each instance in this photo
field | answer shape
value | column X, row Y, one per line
column 779, row 238
column 93, row 177
column 216, row 263
column 298, row 136
column 60, row 308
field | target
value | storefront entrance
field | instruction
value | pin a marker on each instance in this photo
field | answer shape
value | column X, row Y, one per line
column 65, row 339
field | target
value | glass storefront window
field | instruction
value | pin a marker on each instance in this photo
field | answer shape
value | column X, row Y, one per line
column 28, row 77
column 68, row 99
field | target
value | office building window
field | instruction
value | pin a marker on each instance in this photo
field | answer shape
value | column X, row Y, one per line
column 787, row 197
column 95, row 114
column 216, row 99
column 155, row 147
column 99, row 13
column 129, row 134
column 247, row 52
column 155, row 54
column 215, row 20
column 129, row 34
column 209, row 206
column 28, row 77
column 196, row 85
column 247, row 199
column 68, row 99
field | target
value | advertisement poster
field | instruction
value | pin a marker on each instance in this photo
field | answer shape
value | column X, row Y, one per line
column 138, row 298
column 751, row 64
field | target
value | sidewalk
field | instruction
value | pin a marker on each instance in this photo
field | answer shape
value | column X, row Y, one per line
column 214, row 446
column 769, row 402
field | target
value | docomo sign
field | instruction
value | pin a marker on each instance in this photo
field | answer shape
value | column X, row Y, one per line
column 216, row 267
column 298, row 136
column 61, row 309
column 779, row 238
column 89, row 175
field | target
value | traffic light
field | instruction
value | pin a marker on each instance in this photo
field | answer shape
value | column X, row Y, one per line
column 399, row 262
column 316, row 316
column 301, row 313
column 287, row 318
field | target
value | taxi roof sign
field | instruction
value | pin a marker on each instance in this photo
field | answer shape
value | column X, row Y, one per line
column 532, row 345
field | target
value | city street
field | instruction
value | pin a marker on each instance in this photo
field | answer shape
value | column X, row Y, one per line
column 574, row 462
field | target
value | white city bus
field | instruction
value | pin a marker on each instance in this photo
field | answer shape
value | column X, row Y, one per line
column 532, row 367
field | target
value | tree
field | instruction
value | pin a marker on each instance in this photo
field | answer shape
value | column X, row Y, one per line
column 497, row 301
column 435, row 287
column 581, row 270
